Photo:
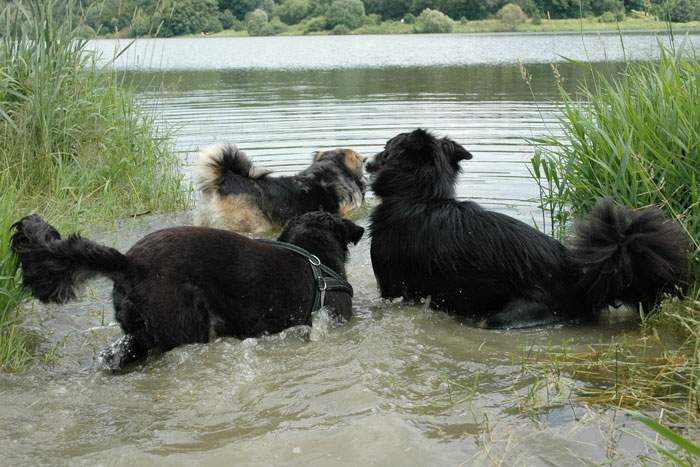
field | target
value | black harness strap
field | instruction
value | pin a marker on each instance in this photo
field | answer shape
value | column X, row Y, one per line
column 325, row 278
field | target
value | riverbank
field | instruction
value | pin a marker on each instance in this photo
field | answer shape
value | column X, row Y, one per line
column 586, row 25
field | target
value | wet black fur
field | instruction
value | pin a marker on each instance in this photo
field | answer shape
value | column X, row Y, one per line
column 175, row 286
column 323, row 186
column 491, row 267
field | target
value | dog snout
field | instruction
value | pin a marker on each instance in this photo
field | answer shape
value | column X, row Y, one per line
column 373, row 164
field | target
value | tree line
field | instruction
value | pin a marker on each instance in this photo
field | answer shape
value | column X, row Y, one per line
column 165, row 18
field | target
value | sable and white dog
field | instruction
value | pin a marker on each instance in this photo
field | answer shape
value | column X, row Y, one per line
column 236, row 196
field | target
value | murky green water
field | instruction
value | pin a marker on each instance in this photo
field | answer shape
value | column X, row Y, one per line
column 397, row 385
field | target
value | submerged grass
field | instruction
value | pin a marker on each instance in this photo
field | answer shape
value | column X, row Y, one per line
column 636, row 138
column 74, row 145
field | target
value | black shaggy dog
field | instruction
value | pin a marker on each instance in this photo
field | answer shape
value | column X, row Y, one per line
column 496, row 269
column 236, row 196
column 188, row 284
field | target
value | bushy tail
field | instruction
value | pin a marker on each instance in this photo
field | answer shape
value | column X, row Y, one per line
column 53, row 268
column 216, row 162
column 628, row 256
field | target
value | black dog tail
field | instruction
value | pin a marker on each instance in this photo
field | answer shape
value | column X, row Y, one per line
column 53, row 268
column 628, row 256
column 216, row 162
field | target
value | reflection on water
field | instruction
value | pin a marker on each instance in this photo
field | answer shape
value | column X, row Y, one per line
column 398, row 385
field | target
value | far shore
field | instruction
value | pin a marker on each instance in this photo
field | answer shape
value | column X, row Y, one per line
column 586, row 25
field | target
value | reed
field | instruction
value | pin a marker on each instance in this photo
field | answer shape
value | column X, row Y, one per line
column 636, row 138
column 74, row 144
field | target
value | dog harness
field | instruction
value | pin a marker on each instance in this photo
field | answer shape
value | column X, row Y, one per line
column 325, row 278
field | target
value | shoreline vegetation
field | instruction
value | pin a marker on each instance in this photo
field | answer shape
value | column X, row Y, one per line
column 586, row 26
column 233, row 18
column 633, row 137
column 74, row 147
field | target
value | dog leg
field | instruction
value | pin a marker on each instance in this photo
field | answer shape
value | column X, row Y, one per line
column 521, row 313
column 123, row 351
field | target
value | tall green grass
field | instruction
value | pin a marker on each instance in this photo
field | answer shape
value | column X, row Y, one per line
column 74, row 145
column 634, row 137
column 13, row 344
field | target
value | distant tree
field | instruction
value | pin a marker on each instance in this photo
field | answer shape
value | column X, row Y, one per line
column 528, row 6
column 319, row 7
column 638, row 5
column 678, row 11
column 511, row 15
column 293, row 11
column 227, row 19
column 417, row 6
column 268, row 6
column 409, row 18
column 347, row 12
column 239, row 8
column 433, row 21
column 256, row 23
column 388, row 9
column 470, row 9
column 564, row 8
column 601, row 6
column 190, row 17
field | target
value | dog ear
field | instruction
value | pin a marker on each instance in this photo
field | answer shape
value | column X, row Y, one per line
column 353, row 232
column 455, row 151
column 419, row 142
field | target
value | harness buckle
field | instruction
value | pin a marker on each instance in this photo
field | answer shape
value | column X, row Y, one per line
column 313, row 259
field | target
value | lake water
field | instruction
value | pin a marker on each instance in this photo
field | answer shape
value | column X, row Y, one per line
column 398, row 385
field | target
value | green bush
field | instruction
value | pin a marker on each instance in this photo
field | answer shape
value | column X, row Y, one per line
column 372, row 20
column 212, row 25
column 315, row 24
column 341, row 30
column 409, row 18
column 238, row 25
column 228, row 20
column 537, row 17
column 276, row 26
column 84, row 32
column 293, row 11
column 140, row 26
column 347, row 12
column 607, row 17
column 432, row 21
column 257, row 24
column 512, row 16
